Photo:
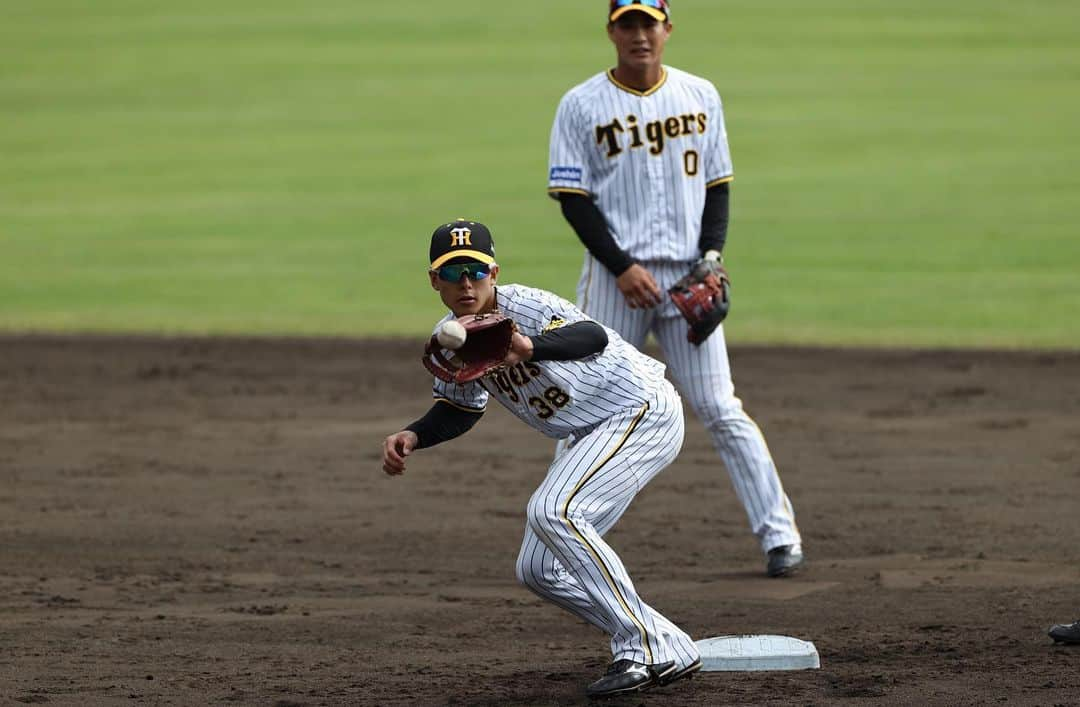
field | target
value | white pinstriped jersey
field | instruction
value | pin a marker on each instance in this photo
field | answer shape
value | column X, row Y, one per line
column 559, row 397
column 645, row 157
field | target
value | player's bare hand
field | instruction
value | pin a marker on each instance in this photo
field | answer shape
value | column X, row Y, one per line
column 638, row 287
column 395, row 448
column 521, row 349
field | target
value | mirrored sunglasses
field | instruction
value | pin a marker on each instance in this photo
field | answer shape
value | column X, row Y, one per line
column 454, row 273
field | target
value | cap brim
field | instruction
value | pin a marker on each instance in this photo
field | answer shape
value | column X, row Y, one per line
column 470, row 254
column 650, row 11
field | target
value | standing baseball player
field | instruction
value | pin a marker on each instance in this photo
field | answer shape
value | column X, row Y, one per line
column 570, row 378
column 639, row 162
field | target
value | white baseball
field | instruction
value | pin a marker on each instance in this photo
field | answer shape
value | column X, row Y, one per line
column 451, row 335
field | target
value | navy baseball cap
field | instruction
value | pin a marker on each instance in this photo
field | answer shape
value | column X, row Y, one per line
column 656, row 9
column 468, row 240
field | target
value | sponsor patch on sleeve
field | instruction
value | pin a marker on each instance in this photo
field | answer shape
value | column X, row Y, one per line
column 565, row 174
column 555, row 323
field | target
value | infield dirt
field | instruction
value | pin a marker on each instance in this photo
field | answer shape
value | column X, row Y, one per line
column 206, row 521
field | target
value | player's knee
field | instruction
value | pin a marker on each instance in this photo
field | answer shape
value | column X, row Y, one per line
column 526, row 572
column 530, row 570
column 539, row 519
column 717, row 413
column 542, row 517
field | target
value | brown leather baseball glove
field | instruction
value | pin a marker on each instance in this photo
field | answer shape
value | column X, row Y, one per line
column 703, row 298
column 487, row 342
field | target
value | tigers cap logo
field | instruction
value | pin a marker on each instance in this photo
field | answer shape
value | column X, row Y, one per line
column 460, row 236
column 461, row 239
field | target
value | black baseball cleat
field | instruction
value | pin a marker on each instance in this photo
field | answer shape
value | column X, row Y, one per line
column 785, row 560
column 625, row 675
column 680, row 673
column 1066, row 633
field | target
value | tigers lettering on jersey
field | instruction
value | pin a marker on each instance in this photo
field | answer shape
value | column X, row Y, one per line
column 508, row 380
column 610, row 134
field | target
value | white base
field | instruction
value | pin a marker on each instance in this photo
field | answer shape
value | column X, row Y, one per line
column 757, row 653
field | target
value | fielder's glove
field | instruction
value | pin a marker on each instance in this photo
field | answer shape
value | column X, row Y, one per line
column 703, row 298
column 487, row 342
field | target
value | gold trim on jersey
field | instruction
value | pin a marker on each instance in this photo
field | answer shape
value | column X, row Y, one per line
column 474, row 254
column 647, row 92
column 553, row 192
column 565, row 517
column 465, row 408
column 721, row 180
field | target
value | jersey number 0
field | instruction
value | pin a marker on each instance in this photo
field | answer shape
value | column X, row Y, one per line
column 690, row 162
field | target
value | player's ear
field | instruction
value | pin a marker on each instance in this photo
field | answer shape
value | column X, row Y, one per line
column 432, row 275
column 494, row 273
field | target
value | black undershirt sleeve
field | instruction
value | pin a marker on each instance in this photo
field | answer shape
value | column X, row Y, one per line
column 592, row 229
column 570, row 342
column 714, row 218
column 443, row 422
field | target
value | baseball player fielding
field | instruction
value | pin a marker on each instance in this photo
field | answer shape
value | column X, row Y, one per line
column 571, row 379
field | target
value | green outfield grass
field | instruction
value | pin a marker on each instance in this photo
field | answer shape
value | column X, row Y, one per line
column 906, row 173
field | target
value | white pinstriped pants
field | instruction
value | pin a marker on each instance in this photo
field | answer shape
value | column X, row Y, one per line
column 588, row 487
column 703, row 375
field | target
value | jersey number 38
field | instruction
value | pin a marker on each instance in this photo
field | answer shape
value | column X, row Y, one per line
column 553, row 398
